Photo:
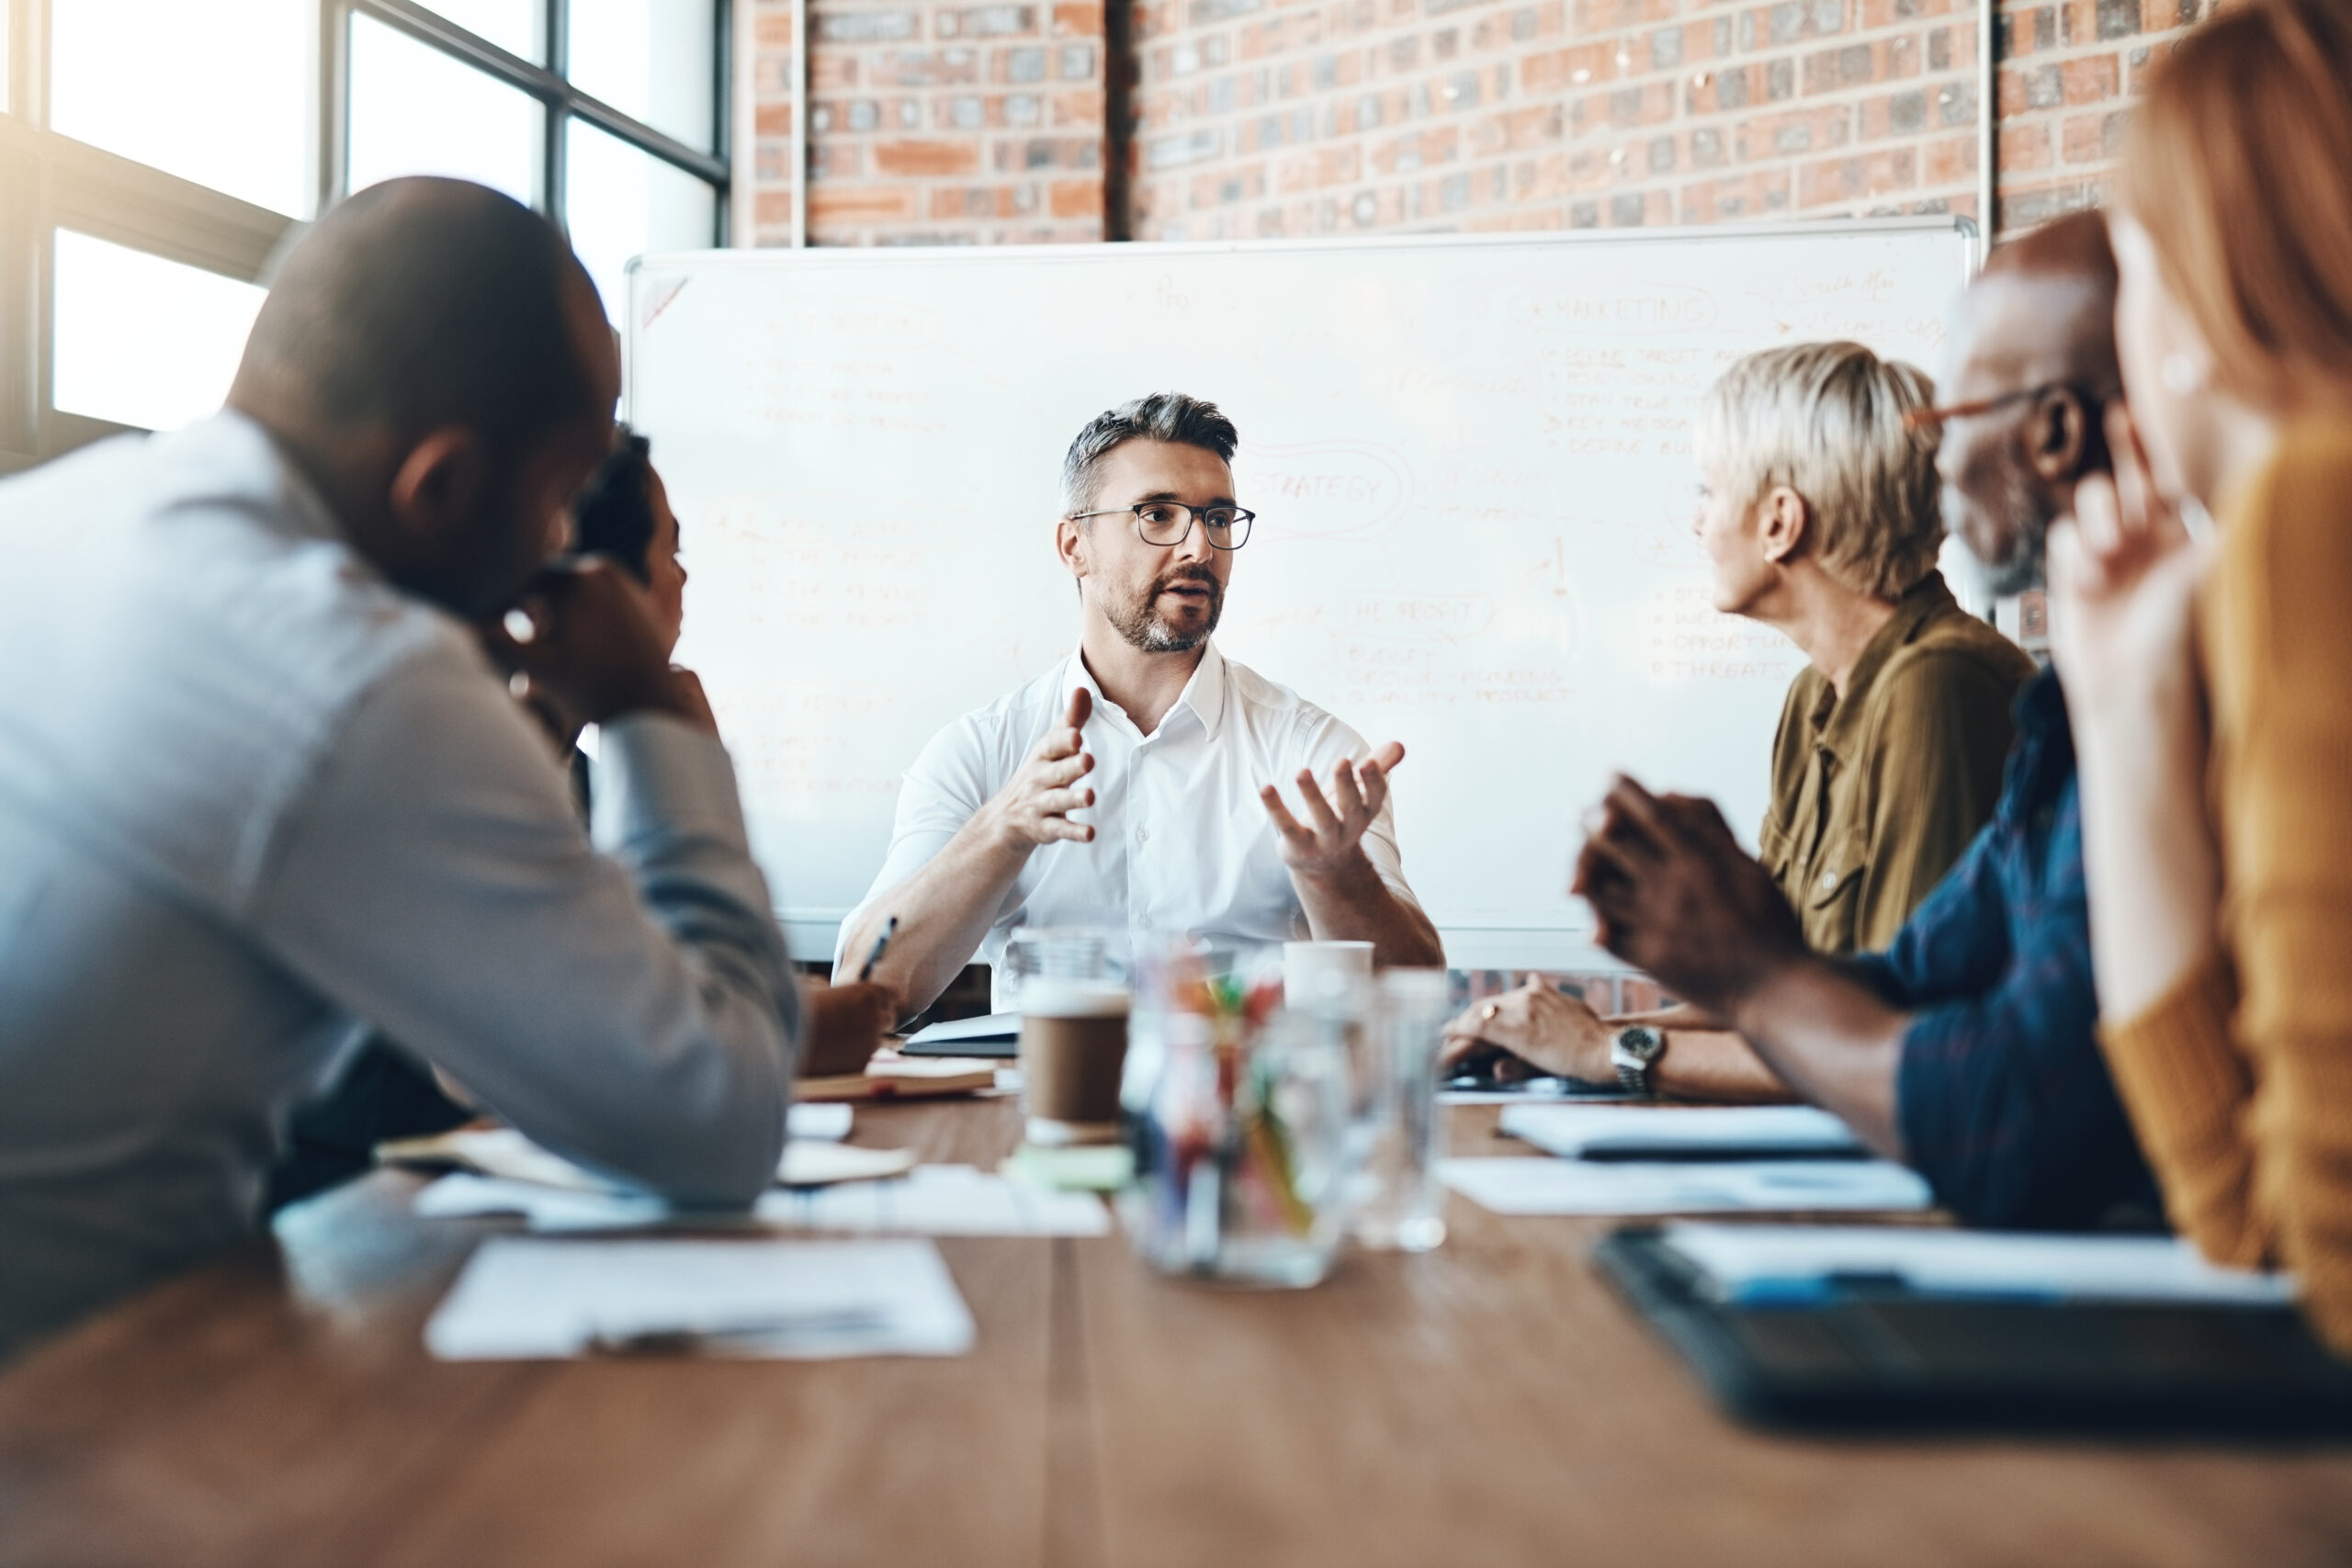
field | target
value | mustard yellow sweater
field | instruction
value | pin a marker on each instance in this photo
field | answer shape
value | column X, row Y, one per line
column 2239, row 1081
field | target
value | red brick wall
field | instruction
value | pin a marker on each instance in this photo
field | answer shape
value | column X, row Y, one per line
column 954, row 123
column 1259, row 119
column 936, row 123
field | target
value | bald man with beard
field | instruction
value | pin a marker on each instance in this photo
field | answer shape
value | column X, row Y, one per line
column 1966, row 1049
column 260, row 787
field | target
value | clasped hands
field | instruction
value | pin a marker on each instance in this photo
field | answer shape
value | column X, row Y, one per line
column 1676, row 896
column 592, row 651
column 1033, row 809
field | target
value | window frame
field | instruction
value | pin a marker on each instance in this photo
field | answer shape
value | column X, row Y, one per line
column 50, row 181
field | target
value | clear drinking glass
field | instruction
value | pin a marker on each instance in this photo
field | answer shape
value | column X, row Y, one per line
column 1399, row 1206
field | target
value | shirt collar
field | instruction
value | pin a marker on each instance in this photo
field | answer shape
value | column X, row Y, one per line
column 241, row 460
column 1204, row 696
column 1838, row 720
column 2041, row 707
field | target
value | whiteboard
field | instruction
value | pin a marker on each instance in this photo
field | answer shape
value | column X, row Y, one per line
column 1470, row 458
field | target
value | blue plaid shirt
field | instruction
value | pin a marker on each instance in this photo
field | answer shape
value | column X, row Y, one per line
column 2003, row 1098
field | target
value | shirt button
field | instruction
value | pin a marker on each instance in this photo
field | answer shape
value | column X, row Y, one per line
column 1829, row 880
column 1142, row 834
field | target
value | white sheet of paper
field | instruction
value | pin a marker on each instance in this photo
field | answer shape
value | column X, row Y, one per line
column 524, row 1297
column 505, row 1153
column 1578, row 1131
column 931, row 1199
column 1542, row 1185
column 827, row 1123
column 1759, row 1263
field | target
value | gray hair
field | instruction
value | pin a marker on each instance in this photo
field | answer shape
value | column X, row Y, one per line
column 1163, row 416
column 1828, row 420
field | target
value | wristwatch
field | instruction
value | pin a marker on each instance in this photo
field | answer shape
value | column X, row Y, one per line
column 1633, row 1052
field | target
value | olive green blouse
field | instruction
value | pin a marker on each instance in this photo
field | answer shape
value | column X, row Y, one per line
column 1876, row 793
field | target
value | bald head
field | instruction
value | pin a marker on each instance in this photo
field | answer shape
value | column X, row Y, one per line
column 2036, row 330
column 420, row 304
column 432, row 355
column 2044, row 306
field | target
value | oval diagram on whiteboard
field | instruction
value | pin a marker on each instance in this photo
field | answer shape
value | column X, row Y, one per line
column 1636, row 311
column 1324, row 489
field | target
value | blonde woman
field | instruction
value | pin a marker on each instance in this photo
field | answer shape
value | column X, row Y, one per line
column 1819, row 517
column 2213, row 719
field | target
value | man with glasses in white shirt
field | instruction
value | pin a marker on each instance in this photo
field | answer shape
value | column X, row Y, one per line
column 1174, row 754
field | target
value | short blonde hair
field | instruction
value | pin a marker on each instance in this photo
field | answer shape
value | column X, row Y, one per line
column 1827, row 420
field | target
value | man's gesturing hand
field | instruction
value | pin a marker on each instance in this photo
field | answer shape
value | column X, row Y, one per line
column 1326, row 842
column 1678, row 898
column 1035, row 807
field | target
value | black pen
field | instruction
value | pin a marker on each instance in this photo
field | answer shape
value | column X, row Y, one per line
column 890, row 929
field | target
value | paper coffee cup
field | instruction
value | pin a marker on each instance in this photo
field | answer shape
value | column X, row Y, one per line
column 1073, row 1049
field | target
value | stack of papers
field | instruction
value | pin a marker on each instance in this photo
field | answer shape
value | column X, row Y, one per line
column 931, row 1199
column 1729, row 1131
column 1587, row 1187
column 521, row 1298
column 1794, row 1264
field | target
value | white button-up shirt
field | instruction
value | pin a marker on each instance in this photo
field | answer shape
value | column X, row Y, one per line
column 252, row 796
column 1182, row 841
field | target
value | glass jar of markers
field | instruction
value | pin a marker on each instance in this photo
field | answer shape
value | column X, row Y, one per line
column 1239, row 1113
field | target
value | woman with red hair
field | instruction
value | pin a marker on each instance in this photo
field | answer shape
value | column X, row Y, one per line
column 2207, row 662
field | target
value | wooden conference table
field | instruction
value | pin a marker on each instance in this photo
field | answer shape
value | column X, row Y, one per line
column 1491, row 1403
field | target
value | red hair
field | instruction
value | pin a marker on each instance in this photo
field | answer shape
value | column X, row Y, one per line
column 2240, row 168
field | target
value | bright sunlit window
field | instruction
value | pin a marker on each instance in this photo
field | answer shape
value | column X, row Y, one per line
column 653, row 60
column 415, row 110
column 515, row 25
column 143, row 340
column 625, row 203
column 221, row 92
column 170, row 148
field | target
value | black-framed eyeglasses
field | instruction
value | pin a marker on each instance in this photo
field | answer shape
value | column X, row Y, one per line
column 1919, row 418
column 1169, row 522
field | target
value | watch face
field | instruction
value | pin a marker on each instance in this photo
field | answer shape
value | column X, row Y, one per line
column 1643, row 1045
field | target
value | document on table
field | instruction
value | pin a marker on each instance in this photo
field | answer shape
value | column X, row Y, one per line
column 931, row 1199
column 1542, row 1186
column 523, row 1298
column 1725, row 1131
column 502, row 1152
column 1757, row 1264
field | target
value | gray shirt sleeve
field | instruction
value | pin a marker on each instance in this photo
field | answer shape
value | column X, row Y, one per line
column 632, row 1009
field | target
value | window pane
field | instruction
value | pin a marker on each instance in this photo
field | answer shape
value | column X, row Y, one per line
column 219, row 93
column 624, row 203
column 512, row 25
column 144, row 341
column 415, row 110
column 653, row 59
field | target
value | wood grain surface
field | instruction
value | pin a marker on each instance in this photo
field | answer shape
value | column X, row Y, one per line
column 1489, row 1403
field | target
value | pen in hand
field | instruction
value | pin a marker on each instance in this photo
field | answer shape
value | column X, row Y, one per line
column 881, row 944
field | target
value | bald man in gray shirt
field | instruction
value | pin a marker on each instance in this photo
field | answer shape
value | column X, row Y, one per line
column 261, row 786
